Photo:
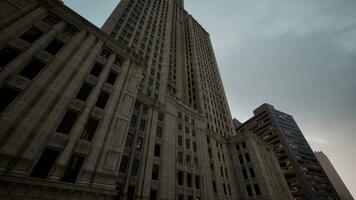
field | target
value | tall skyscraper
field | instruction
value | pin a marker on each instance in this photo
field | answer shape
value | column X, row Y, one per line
column 334, row 177
column 305, row 176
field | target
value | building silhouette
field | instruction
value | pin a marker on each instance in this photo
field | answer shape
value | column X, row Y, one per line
column 334, row 177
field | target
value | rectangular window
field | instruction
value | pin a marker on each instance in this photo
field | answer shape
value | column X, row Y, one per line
column 129, row 140
column 180, row 140
column 238, row 147
column 139, row 143
column 135, row 167
column 190, row 197
column 7, row 54
column 241, row 159
column 214, row 187
column 180, row 197
column 133, row 121
column 197, row 182
column 180, row 178
column 73, row 169
column 45, row 163
column 187, row 143
column 153, row 195
column 32, row 35
column 155, row 172
column 159, row 132
column 54, row 47
column 157, row 151
column 67, row 122
column 180, row 157
column 187, row 159
column 32, row 69
column 143, row 125
column 247, row 156
column 194, row 146
column 90, row 129
column 51, row 20
column 7, row 96
column 70, row 30
column 112, row 78
column 131, row 192
column 252, row 172
column 96, row 70
column 84, row 92
column 257, row 189
column 249, row 190
column 224, row 187
column 189, row 180
column 102, row 100
column 123, row 164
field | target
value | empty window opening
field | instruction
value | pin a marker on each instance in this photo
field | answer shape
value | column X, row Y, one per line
column 45, row 163
column 67, row 122
column 32, row 69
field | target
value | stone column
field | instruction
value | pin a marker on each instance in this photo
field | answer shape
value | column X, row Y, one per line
column 16, row 15
column 78, row 128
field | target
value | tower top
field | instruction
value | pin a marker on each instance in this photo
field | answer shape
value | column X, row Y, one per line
column 180, row 2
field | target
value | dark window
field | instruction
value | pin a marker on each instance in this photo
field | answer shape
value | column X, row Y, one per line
column 84, row 92
column 252, row 172
column 249, row 190
column 160, row 117
column 51, row 20
column 153, row 195
column 180, row 140
column 257, row 189
column 190, row 197
column 194, row 146
column 54, row 47
column 180, row 197
column 135, row 165
column 44, row 164
column 237, row 147
column 7, row 96
column 157, row 151
column 244, row 145
column 73, row 169
column 90, row 129
column 214, row 187
column 32, row 69
column 133, row 121
column 187, row 143
column 129, row 140
column 70, row 30
column 180, row 157
column 189, row 180
column 224, row 188
column 31, row 35
column 123, row 164
column 155, row 172
column 247, row 156
column 197, row 182
column 67, row 122
column 244, row 173
column 221, row 172
column 106, row 53
column 112, row 77
column 102, row 100
column 7, row 54
column 131, row 192
column 139, row 143
column 159, row 131
column 241, row 159
column 229, row 190
column 96, row 70
column 142, row 125
column 180, row 178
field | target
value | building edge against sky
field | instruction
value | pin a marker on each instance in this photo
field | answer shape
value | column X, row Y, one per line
column 136, row 110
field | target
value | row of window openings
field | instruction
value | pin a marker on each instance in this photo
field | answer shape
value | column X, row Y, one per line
column 47, row 160
column 189, row 180
column 224, row 187
column 187, row 129
column 249, row 190
column 187, row 159
column 187, row 143
column 247, row 157
column 135, row 167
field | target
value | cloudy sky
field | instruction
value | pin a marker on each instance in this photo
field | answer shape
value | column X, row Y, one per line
column 299, row 56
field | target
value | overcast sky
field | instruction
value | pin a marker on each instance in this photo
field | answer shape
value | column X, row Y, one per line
column 299, row 56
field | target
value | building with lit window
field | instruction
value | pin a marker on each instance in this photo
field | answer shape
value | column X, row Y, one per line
column 302, row 171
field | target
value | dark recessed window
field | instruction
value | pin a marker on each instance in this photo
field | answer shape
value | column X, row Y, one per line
column 7, row 54
column 257, row 189
column 252, row 172
column 155, row 172
column 249, row 190
column 73, row 169
column 84, row 92
column 123, row 164
column 214, row 187
column 180, row 178
column 54, row 47
column 143, row 125
column 131, row 192
column 97, row 68
column 197, row 182
column 32, row 35
column 32, row 69
column 67, row 122
column 70, row 30
column 44, row 164
column 135, row 167
column 90, row 129
column 247, row 156
column 237, row 147
column 102, row 100
column 112, row 78
column 133, row 121
column 244, row 173
column 153, row 195
column 157, row 151
column 129, row 140
column 51, row 20
column 241, row 159
column 189, row 180
column 180, row 197
column 159, row 131
column 7, row 96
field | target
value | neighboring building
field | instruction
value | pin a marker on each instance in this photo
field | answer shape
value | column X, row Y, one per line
column 304, row 175
column 257, row 169
column 334, row 177
column 67, row 91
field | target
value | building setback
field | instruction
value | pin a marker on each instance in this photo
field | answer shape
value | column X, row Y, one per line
column 334, row 177
column 304, row 175
column 257, row 169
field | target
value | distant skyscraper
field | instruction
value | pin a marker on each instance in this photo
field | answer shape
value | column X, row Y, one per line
column 304, row 175
column 334, row 177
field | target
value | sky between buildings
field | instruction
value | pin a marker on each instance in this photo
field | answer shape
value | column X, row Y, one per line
column 299, row 56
